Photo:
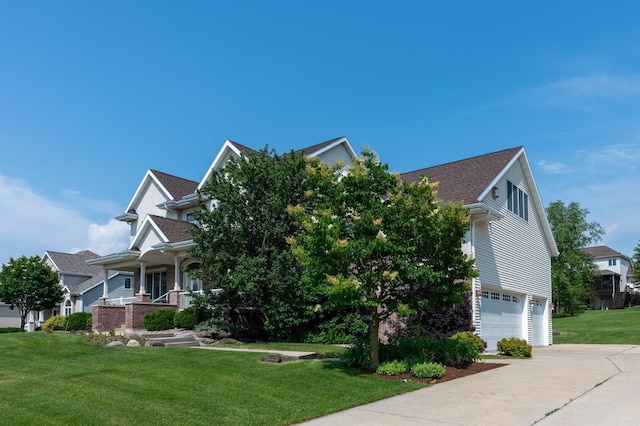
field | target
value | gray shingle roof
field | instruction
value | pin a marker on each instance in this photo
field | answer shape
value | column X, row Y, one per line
column 243, row 149
column 317, row 147
column 74, row 263
column 178, row 187
column 602, row 251
column 175, row 230
column 464, row 180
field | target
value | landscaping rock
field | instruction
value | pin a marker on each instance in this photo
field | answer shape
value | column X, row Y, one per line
column 229, row 341
column 205, row 341
column 222, row 334
column 133, row 343
column 204, row 334
column 115, row 344
column 276, row 358
column 154, row 343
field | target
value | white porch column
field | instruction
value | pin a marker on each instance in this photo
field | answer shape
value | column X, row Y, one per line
column 40, row 317
column 143, row 278
column 176, row 274
column 105, row 285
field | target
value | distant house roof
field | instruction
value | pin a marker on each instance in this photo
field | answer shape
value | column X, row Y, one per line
column 178, row 187
column 243, row 149
column 175, row 230
column 465, row 180
column 68, row 263
column 598, row 252
column 319, row 146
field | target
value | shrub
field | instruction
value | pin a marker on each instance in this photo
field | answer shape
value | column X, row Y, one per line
column 339, row 329
column 518, row 348
column 159, row 320
column 358, row 354
column 428, row 370
column 54, row 323
column 187, row 318
column 468, row 336
column 78, row 321
column 393, row 368
column 443, row 351
column 9, row 330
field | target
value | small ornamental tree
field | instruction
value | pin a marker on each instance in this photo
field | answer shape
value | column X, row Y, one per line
column 28, row 284
column 372, row 240
column 636, row 264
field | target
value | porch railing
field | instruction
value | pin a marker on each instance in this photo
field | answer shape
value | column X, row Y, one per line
column 120, row 301
column 162, row 299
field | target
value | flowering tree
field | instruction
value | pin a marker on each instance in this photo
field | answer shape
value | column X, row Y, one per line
column 372, row 240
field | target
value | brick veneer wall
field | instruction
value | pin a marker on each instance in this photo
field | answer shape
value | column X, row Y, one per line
column 107, row 318
column 135, row 312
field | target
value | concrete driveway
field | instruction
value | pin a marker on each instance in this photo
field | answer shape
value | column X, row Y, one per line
column 561, row 385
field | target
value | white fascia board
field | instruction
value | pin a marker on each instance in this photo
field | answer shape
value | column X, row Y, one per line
column 187, row 201
column 226, row 147
column 535, row 197
column 146, row 225
column 483, row 209
column 140, row 191
column 123, row 255
column 174, row 246
column 126, row 217
column 340, row 141
column 46, row 255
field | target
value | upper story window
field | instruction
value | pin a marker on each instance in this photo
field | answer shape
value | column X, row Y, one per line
column 517, row 201
column 612, row 262
column 191, row 217
column 127, row 283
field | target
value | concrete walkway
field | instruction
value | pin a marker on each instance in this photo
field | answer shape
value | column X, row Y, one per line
column 287, row 354
column 561, row 385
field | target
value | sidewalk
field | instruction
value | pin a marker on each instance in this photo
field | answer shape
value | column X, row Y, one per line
column 561, row 385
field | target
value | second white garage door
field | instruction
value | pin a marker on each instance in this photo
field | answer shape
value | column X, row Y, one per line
column 501, row 317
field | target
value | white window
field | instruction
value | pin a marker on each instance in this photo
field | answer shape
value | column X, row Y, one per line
column 517, row 201
column 127, row 283
column 67, row 308
column 612, row 262
column 192, row 284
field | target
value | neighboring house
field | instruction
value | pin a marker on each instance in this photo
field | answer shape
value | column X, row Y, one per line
column 82, row 284
column 9, row 317
column 510, row 239
column 615, row 284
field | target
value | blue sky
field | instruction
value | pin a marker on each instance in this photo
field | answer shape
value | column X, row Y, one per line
column 93, row 94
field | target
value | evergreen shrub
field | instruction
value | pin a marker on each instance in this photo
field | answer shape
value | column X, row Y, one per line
column 517, row 348
column 159, row 320
column 54, row 323
column 78, row 321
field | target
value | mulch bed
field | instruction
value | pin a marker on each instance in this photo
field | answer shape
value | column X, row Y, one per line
column 450, row 374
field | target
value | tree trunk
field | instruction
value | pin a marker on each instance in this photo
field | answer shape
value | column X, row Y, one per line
column 374, row 341
column 23, row 319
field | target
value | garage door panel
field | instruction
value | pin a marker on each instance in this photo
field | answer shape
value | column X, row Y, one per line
column 501, row 317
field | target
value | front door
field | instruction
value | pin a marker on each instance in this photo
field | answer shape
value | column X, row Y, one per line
column 157, row 284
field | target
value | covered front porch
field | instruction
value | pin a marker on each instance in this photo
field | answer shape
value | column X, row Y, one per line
column 161, row 281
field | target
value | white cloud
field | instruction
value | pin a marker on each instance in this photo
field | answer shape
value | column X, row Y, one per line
column 625, row 156
column 552, row 168
column 584, row 92
column 31, row 223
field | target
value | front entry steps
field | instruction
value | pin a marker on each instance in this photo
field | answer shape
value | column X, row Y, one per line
column 170, row 339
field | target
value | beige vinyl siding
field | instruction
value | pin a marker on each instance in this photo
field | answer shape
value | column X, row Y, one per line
column 335, row 154
column 511, row 253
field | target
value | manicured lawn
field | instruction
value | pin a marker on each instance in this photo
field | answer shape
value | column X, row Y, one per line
column 616, row 326
column 59, row 379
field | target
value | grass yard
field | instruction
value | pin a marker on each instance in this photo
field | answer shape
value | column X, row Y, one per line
column 616, row 326
column 60, row 379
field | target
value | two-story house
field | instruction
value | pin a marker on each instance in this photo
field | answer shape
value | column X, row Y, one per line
column 510, row 239
column 614, row 285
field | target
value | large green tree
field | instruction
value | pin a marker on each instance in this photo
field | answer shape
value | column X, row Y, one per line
column 573, row 271
column 372, row 240
column 241, row 245
column 636, row 264
column 28, row 284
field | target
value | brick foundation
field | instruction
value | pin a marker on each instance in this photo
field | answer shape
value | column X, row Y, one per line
column 135, row 312
column 106, row 318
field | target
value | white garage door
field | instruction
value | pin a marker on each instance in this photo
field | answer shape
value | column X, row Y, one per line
column 538, row 322
column 501, row 317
